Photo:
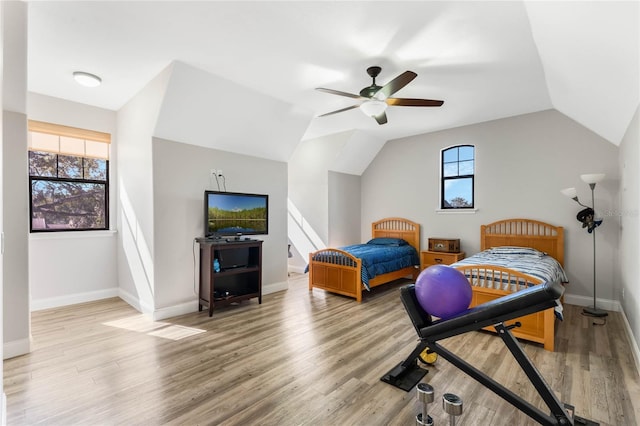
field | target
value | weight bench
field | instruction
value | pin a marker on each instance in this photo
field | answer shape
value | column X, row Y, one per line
column 407, row 374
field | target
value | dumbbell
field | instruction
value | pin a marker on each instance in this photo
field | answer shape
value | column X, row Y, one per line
column 452, row 405
column 425, row 397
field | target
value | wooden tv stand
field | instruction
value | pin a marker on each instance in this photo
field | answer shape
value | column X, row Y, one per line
column 235, row 282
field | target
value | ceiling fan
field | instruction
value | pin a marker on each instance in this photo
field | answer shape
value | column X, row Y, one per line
column 376, row 98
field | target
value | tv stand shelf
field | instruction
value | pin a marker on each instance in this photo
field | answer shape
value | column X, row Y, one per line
column 240, row 275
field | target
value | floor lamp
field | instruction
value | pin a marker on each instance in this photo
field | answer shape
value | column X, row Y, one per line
column 588, row 218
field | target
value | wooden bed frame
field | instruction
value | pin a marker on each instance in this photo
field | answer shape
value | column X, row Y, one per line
column 538, row 327
column 340, row 272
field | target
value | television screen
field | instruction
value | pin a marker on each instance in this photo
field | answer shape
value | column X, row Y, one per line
column 233, row 213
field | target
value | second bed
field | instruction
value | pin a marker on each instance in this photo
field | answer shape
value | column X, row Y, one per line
column 516, row 254
column 350, row 270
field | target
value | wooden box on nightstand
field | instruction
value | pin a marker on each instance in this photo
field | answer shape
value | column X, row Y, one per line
column 428, row 258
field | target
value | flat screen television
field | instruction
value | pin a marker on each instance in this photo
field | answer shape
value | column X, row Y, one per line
column 234, row 214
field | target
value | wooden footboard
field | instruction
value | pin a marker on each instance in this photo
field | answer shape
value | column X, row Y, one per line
column 491, row 282
column 337, row 271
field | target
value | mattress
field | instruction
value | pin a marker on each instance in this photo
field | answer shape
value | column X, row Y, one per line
column 526, row 260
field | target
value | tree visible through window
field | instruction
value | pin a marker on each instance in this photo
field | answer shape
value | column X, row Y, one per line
column 68, row 178
column 457, row 177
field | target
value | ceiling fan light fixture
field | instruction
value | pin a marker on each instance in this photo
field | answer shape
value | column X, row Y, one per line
column 86, row 79
column 374, row 99
column 373, row 107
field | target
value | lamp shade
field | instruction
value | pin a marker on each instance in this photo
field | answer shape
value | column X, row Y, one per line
column 569, row 192
column 592, row 177
column 373, row 107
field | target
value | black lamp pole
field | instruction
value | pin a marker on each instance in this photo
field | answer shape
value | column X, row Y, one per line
column 588, row 218
column 593, row 310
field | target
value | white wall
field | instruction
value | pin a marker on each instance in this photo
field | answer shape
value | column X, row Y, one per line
column 308, row 183
column 220, row 121
column 15, row 211
column 74, row 267
column 184, row 104
column 344, row 209
column 629, row 214
column 521, row 164
column 3, row 397
column 213, row 112
column 67, row 113
column 309, row 179
column 15, row 215
column 135, row 124
column 16, row 232
column 181, row 174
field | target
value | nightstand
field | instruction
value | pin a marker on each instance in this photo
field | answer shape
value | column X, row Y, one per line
column 428, row 258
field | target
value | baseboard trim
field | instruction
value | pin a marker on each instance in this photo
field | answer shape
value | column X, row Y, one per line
column 72, row 299
column 606, row 304
column 275, row 287
column 135, row 302
column 635, row 350
column 297, row 269
column 190, row 307
column 187, row 307
column 16, row 348
column 175, row 310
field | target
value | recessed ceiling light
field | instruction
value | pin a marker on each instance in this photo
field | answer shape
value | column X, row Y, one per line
column 86, row 79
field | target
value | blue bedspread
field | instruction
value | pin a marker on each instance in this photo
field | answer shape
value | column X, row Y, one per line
column 380, row 259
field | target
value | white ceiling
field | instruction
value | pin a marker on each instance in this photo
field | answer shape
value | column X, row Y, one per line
column 486, row 60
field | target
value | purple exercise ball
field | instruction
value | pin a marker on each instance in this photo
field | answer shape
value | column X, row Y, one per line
column 443, row 291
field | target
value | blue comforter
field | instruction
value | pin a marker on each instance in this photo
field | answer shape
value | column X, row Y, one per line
column 380, row 259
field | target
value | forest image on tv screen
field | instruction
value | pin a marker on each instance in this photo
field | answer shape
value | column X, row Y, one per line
column 230, row 214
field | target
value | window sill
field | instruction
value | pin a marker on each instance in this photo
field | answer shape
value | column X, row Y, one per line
column 59, row 235
column 456, row 211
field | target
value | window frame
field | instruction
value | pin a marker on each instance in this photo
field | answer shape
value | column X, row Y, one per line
column 61, row 131
column 444, row 179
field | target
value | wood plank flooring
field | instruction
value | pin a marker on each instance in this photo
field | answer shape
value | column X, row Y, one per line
column 300, row 358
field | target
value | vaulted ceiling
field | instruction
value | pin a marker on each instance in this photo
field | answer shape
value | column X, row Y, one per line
column 486, row 60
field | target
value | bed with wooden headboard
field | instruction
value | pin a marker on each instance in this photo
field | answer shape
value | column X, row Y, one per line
column 337, row 271
column 490, row 281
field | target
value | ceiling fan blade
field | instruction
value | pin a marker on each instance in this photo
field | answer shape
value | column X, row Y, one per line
column 339, row 110
column 338, row 92
column 396, row 84
column 381, row 118
column 414, row 102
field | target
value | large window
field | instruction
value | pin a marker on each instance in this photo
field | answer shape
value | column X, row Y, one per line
column 457, row 176
column 68, row 178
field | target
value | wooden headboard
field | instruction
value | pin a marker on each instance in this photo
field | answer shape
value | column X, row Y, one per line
column 397, row 227
column 524, row 233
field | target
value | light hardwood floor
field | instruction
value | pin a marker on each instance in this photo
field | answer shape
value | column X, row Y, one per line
column 300, row 358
